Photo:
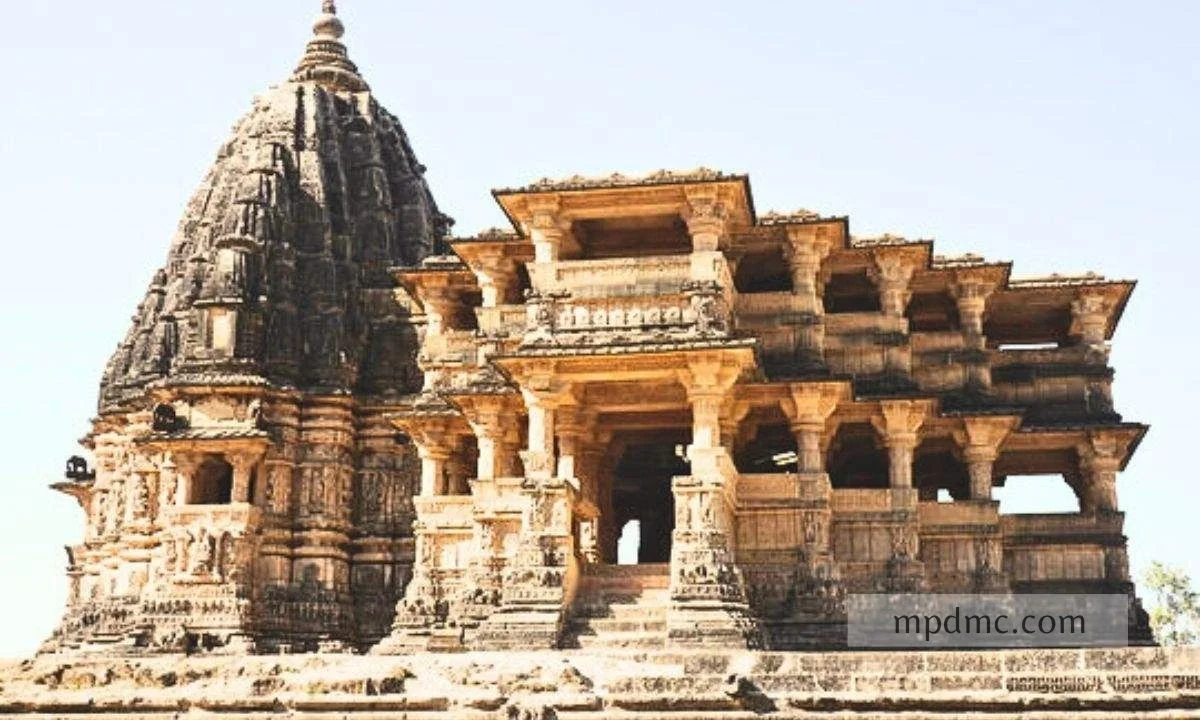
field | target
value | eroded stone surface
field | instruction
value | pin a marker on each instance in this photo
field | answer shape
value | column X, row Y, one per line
column 1119, row 683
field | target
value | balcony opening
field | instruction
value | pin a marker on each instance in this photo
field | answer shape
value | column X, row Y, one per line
column 773, row 450
column 763, row 272
column 851, row 293
column 213, row 482
column 932, row 312
column 642, row 494
column 938, row 474
column 855, row 459
column 1036, row 495
column 641, row 236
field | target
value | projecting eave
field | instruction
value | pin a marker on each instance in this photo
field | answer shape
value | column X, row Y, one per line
column 436, row 274
column 1067, row 436
column 617, row 195
column 1039, row 309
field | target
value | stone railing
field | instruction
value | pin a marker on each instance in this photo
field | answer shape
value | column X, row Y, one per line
column 764, row 308
column 445, row 511
column 502, row 321
column 614, row 277
column 934, row 515
column 1066, row 548
column 692, row 311
column 1065, row 526
column 453, row 347
column 236, row 514
column 850, row 501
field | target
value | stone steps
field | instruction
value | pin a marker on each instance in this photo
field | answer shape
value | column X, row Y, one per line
column 621, row 607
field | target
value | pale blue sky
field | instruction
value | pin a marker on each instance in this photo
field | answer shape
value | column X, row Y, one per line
column 1061, row 135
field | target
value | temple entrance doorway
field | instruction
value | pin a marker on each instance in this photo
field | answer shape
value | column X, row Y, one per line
column 642, row 499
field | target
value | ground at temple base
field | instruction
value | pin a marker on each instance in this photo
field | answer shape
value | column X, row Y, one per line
column 691, row 685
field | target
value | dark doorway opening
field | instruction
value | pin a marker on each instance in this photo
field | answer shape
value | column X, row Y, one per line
column 642, row 492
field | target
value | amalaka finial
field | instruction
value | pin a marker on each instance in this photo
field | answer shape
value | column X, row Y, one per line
column 325, row 59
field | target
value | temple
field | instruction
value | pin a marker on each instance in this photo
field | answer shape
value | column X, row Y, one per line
column 334, row 427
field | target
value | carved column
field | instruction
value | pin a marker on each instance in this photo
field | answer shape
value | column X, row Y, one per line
column 898, row 423
column 807, row 248
column 809, row 408
column 892, row 274
column 496, row 276
column 547, row 229
column 243, row 466
column 709, row 605
column 488, row 425
column 1100, row 457
column 979, row 440
column 972, row 294
column 1089, row 319
column 433, row 455
column 538, row 456
column 572, row 430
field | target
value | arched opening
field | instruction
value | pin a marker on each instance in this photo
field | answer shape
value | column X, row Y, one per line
column 213, row 483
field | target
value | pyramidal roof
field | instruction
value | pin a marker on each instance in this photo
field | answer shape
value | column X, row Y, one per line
column 278, row 273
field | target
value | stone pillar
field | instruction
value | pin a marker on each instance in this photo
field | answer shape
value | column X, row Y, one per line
column 538, row 455
column 809, row 406
column 433, row 441
column 572, row 430
column 979, row 440
column 971, row 295
column 892, row 274
column 547, row 229
column 807, row 248
column 1100, row 457
column 898, row 424
column 243, row 465
column 496, row 277
column 1089, row 319
column 709, row 605
column 489, row 437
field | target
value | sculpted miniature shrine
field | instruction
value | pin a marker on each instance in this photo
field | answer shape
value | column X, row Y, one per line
column 334, row 427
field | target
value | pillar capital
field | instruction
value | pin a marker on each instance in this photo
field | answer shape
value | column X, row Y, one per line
column 707, row 219
column 892, row 274
column 979, row 434
column 979, row 440
column 810, row 403
column 1089, row 317
column 898, row 422
column 547, row 226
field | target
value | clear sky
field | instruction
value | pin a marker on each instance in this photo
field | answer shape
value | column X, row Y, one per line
column 1061, row 135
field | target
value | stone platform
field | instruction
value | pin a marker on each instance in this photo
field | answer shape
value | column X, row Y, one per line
column 1114, row 683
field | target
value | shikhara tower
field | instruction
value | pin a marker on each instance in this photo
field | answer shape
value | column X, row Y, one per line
column 248, row 486
column 333, row 427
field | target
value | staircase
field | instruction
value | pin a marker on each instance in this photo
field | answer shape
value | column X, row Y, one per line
column 620, row 607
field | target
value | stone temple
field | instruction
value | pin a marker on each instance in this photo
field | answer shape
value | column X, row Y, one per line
column 335, row 428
